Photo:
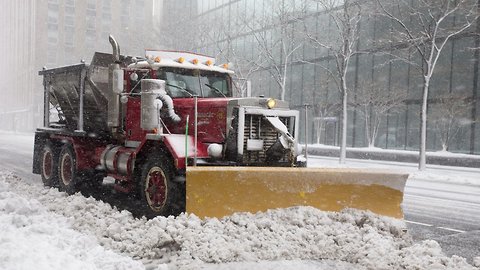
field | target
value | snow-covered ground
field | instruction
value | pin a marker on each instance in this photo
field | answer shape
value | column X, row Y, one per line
column 42, row 228
column 434, row 173
column 32, row 237
column 45, row 229
column 396, row 151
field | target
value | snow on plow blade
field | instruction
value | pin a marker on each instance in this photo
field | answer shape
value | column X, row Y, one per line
column 221, row 191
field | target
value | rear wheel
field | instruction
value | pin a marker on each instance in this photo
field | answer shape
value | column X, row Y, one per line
column 157, row 190
column 49, row 165
column 67, row 171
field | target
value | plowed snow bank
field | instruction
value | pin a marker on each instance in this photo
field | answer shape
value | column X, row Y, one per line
column 354, row 239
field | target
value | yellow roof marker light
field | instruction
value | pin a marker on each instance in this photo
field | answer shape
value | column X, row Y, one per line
column 180, row 59
column 149, row 59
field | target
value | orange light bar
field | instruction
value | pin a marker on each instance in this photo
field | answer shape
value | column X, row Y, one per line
column 181, row 60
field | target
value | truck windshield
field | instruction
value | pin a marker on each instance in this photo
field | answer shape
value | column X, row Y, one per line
column 188, row 82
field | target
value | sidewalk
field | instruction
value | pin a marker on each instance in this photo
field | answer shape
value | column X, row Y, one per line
column 438, row 158
column 434, row 173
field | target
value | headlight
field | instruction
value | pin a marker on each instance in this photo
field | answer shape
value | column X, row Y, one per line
column 271, row 103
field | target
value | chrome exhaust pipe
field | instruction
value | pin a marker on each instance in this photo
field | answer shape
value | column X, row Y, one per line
column 115, row 84
column 115, row 48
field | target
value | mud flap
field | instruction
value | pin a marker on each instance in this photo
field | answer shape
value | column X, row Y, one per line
column 222, row 191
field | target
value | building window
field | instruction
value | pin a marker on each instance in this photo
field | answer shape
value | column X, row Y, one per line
column 52, row 7
column 51, row 56
column 90, row 23
column 69, row 21
column 69, row 36
column 52, row 20
column 52, row 27
column 70, row 55
column 107, row 6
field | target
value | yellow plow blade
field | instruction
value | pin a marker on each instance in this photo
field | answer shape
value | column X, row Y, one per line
column 221, row 191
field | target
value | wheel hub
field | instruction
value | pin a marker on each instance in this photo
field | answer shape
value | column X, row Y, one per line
column 156, row 189
column 66, row 169
column 47, row 164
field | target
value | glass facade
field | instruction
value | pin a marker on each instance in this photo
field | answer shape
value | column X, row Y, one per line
column 228, row 38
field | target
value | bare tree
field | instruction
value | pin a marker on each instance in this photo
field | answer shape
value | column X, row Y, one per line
column 341, row 42
column 448, row 115
column 244, row 66
column 277, row 38
column 179, row 34
column 375, row 103
column 219, row 33
column 425, row 26
column 323, row 110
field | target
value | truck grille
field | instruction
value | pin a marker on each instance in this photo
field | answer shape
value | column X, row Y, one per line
column 257, row 127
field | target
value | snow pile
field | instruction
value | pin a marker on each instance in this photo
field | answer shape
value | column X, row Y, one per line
column 349, row 239
column 284, row 265
column 33, row 238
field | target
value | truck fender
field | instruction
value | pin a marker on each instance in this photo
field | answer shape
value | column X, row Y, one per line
column 181, row 146
column 149, row 147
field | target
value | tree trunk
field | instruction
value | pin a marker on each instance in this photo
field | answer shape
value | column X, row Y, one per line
column 319, row 131
column 284, row 79
column 444, row 147
column 343, row 144
column 376, row 126
column 423, row 125
column 367, row 126
column 282, row 94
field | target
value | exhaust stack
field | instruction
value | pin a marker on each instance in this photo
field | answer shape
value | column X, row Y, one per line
column 115, row 48
column 115, row 84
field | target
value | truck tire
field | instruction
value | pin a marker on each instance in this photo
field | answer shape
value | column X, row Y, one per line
column 49, row 161
column 67, row 170
column 156, row 188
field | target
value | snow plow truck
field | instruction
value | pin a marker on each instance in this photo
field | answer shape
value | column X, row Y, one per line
column 168, row 129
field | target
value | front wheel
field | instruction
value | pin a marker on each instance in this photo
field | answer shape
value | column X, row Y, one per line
column 157, row 190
